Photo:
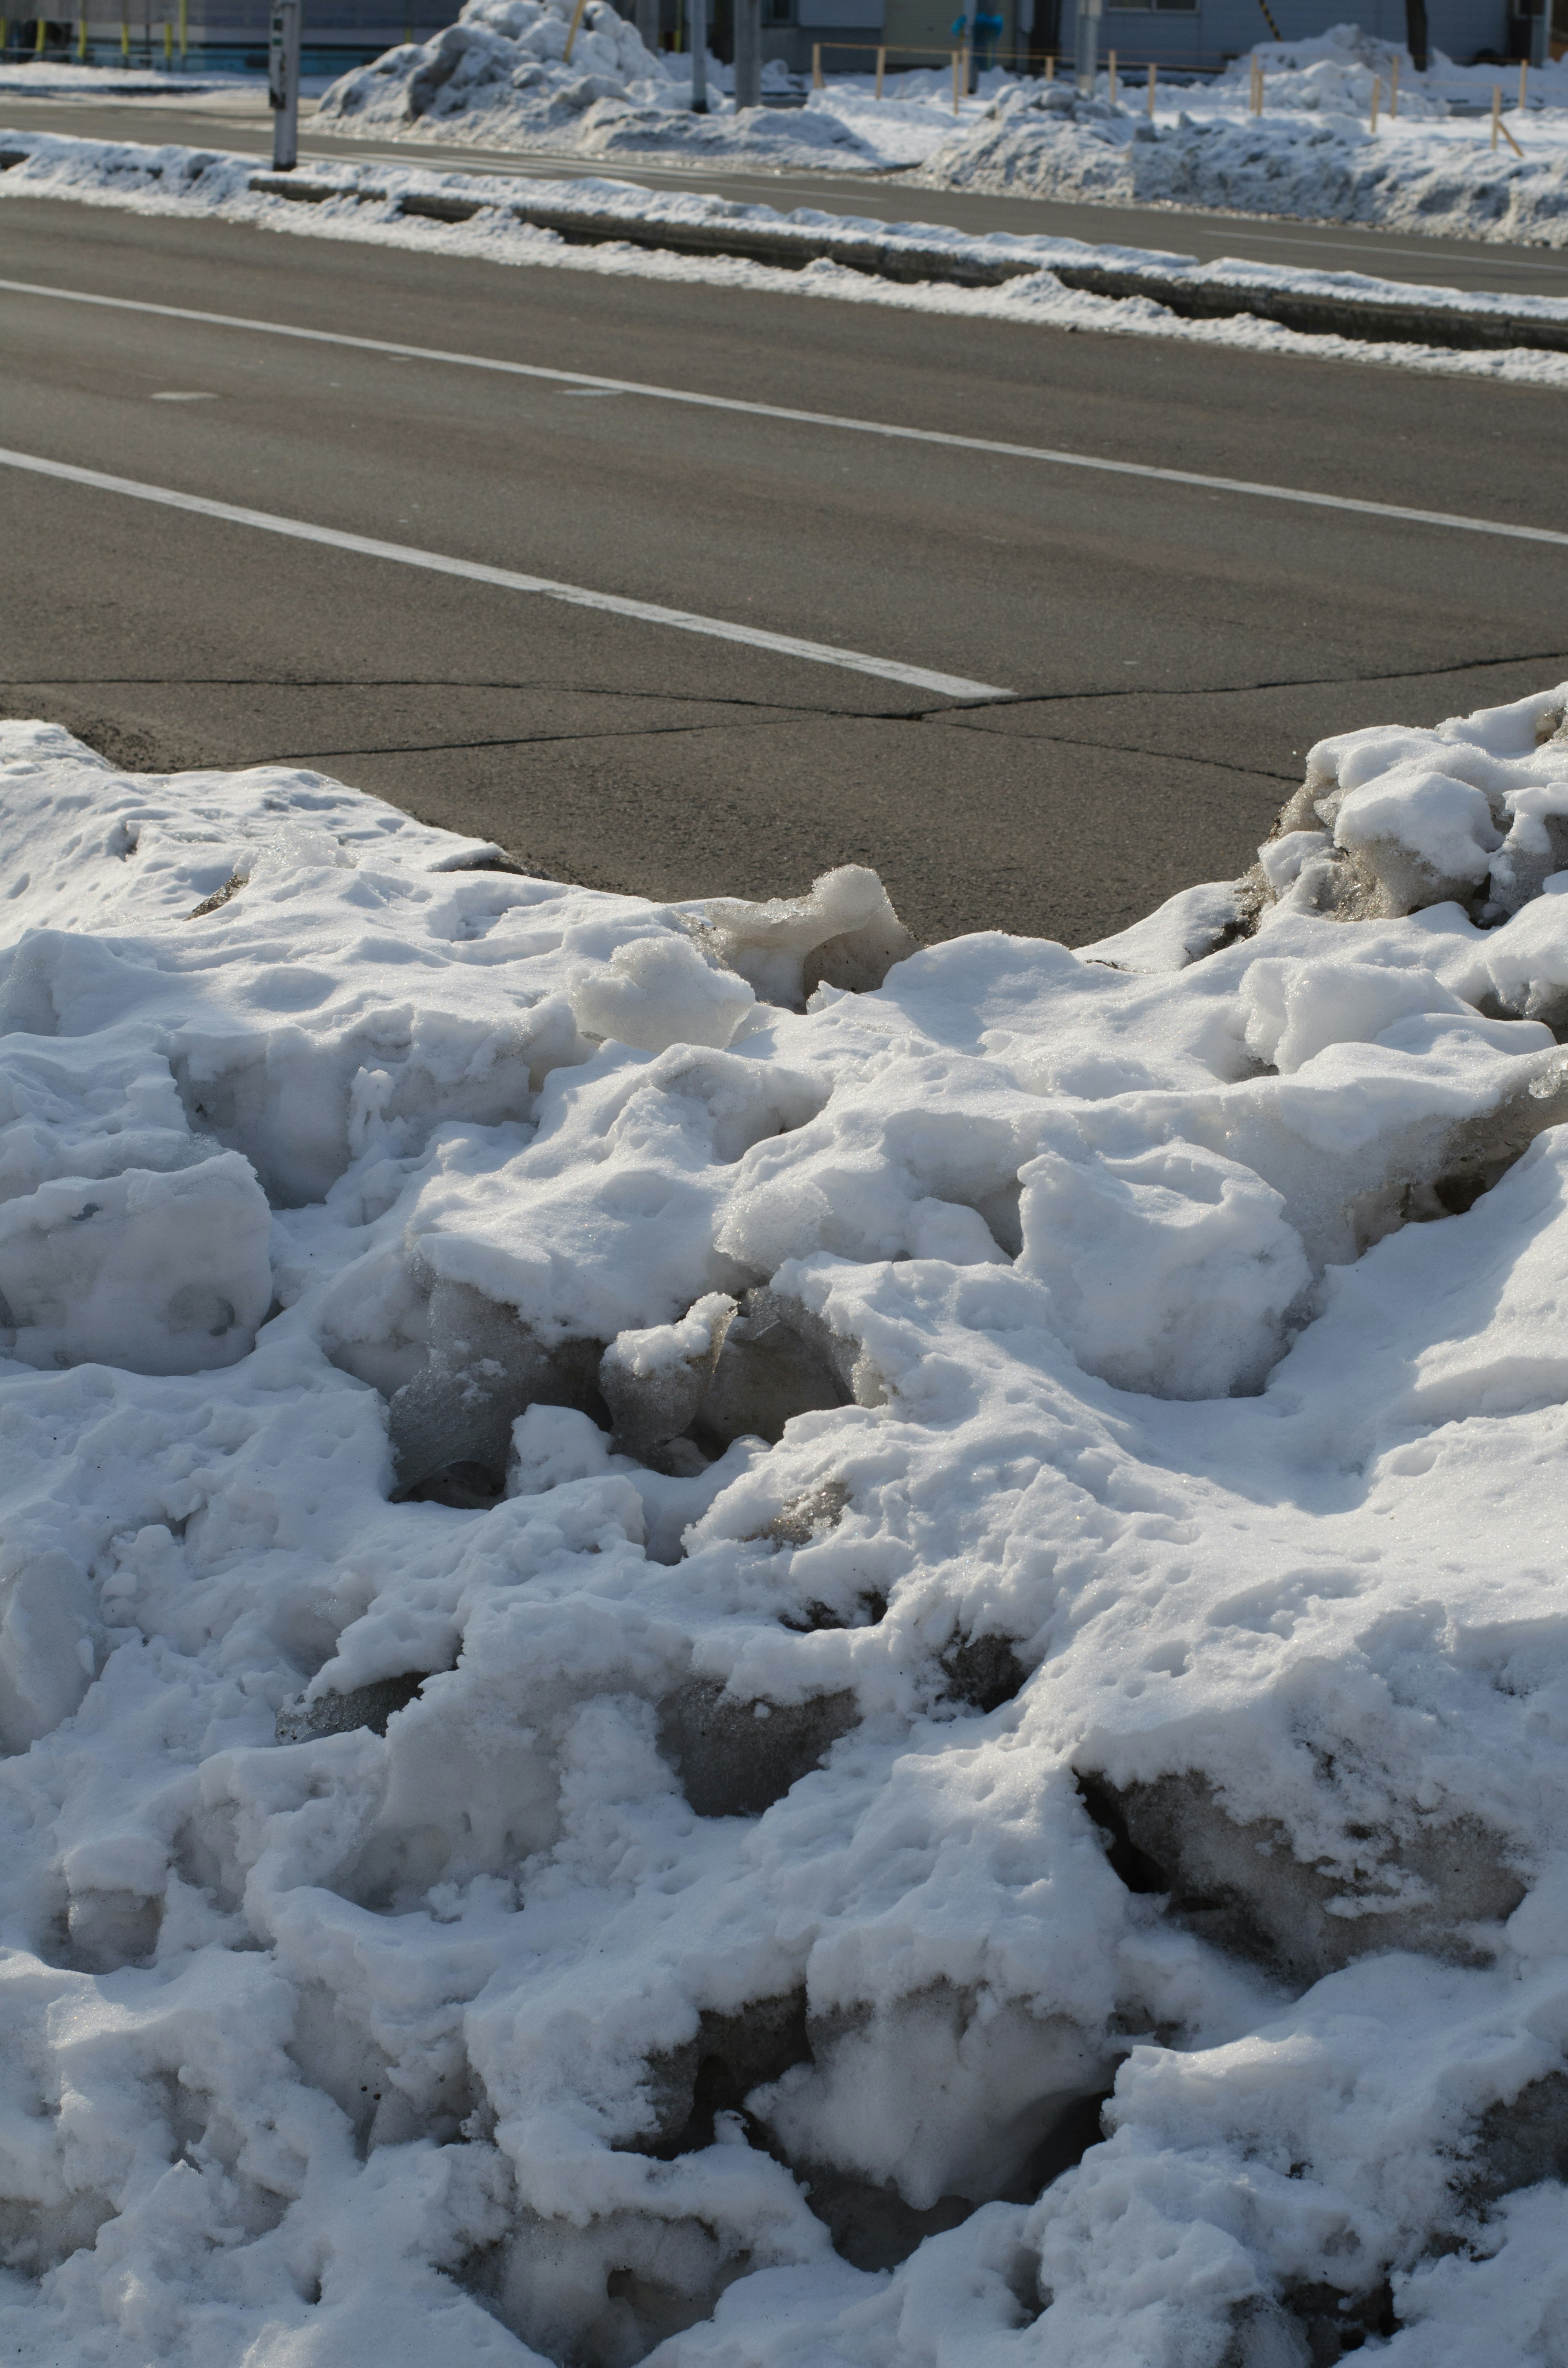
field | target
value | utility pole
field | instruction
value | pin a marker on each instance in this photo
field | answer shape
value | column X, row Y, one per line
column 697, row 20
column 1086, row 64
column 283, row 84
column 748, row 53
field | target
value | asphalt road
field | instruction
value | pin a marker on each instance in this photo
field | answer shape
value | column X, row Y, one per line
column 1171, row 651
column 243, row 126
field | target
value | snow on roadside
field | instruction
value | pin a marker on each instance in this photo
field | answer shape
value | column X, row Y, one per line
column 680, row 1585
column 1310, row 154
column 178, row 179
column 500, row 77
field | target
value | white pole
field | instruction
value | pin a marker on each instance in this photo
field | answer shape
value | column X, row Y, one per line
column 283, row 84
column 1086, row 64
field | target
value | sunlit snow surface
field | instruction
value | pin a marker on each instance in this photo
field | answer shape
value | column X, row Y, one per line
column 1133, row 1659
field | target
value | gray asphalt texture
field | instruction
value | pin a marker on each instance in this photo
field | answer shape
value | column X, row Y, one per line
column 1174, row 651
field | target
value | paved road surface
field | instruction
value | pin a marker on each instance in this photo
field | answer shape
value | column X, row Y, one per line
column 1391, row 254
column 1171, row 649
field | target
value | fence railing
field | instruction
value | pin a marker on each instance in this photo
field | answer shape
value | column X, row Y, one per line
column 172, row 30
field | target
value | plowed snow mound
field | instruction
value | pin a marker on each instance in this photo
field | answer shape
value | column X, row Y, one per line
column 694, row 1605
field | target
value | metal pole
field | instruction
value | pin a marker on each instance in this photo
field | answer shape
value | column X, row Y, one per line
column 698, row 12
column 1086, row 64
column 748, row 53
column 283, row 84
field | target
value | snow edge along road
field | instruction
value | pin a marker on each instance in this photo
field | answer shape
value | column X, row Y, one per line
column 414, row 214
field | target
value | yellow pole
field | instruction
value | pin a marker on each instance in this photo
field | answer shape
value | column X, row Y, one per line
column 125, row 32
column 81, row 39
column 42, row 29
column 881, row 69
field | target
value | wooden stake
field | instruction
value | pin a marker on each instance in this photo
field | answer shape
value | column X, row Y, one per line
column 571, row 30
column 817, row 82
column 1151, row 91
column 1393, row 89
column 1497, row 111
column 881, row 69
column 1377, row 98
column 1051, row 65
column 1524, row 82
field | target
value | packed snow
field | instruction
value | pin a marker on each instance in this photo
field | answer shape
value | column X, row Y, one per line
column 367, row 202
column 498, row 77
column 1313, row 152
column 724, row 1641
column 501, row 76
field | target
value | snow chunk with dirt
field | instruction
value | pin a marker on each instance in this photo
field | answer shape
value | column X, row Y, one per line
column 725, row 1642
column 1312, row 153
column 501, row 75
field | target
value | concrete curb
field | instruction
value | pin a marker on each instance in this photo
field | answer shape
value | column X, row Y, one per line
column 1312, row 312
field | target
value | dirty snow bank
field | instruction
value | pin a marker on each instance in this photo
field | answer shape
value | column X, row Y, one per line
column 677, row 1579
column 1310, row 153
column 500, row 76
column 367, row 204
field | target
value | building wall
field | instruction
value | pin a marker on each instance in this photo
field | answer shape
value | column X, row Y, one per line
column 1200, row 35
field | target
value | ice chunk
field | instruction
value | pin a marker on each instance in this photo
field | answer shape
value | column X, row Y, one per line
column 653, row 1381
column 485, row 1368
column 1169, row 1271
column 656, row 992
column 157, row 1273
column 843, row 933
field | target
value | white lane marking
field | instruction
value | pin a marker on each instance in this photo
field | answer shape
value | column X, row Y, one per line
column 172, row 394
column 947, row 686
column 1041, row 452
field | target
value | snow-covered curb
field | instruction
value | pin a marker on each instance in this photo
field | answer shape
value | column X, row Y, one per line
column 675, row 1579
column 392, row 206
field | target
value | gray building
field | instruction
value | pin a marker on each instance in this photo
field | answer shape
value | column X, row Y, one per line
column 1198, row 35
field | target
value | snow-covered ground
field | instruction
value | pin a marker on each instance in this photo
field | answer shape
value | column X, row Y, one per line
column 1311, row 153
column 678, row 1581
column 178, row 180
column 498, row 77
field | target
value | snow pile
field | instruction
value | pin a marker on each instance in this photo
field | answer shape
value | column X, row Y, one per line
column 366, row 203
column 500, row 76
column 723, row 1640
column 1311, row 154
